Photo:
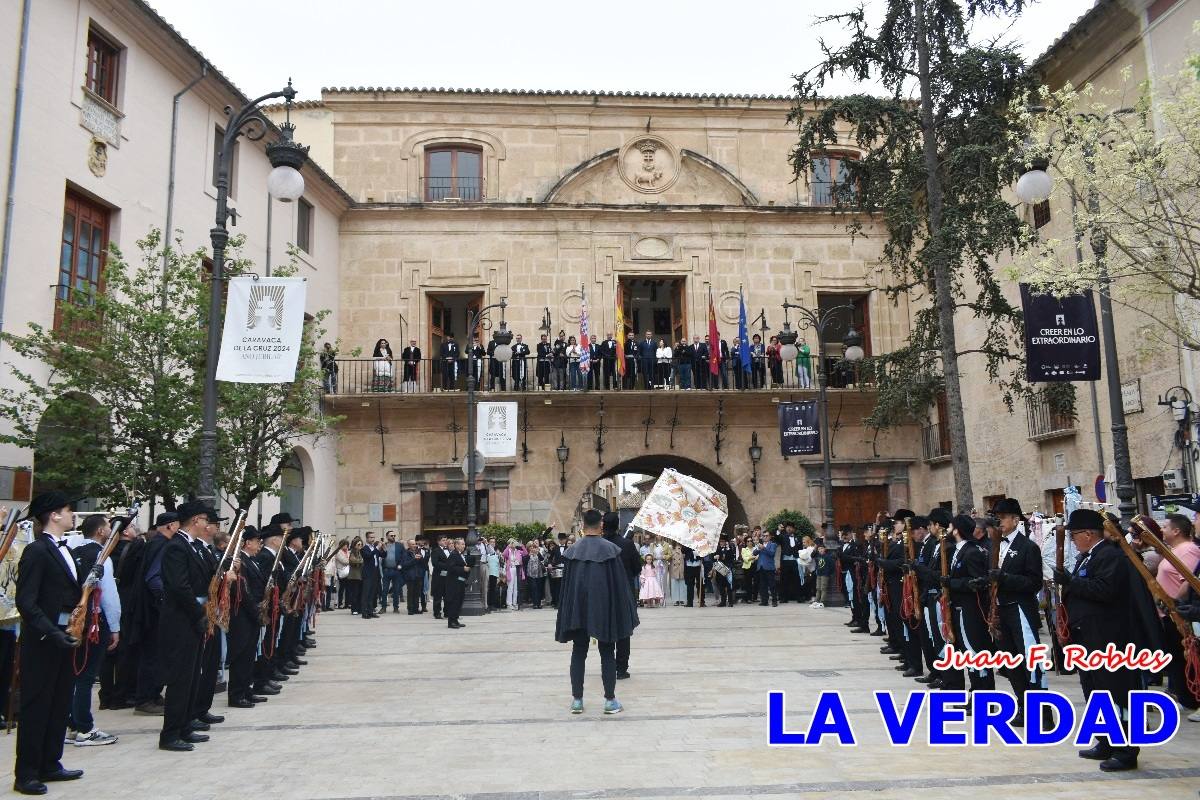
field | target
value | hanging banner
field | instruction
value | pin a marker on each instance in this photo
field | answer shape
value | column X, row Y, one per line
column 496, row 430
column 1062, row 341
column 799, row 428
column 264, row 321
column 684, row 510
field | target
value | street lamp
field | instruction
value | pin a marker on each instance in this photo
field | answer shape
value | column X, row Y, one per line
column 818, row 321
column 563, row 452
column 756, row 454
column 284, row 183
column 787, row 338
column 473, row 603
column 1034, row 186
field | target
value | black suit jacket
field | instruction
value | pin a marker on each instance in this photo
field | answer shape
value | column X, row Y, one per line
column 254, row 582
column 449, row 351
column 647, row 350
column 411, row 355
column 45, row 586
column 184, row 574
column 608, row 350
column 544, row 349
column 455, row 574
column 1022, row 571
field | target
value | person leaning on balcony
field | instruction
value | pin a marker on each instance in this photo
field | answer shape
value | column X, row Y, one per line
column 560, row 361
column 758, row 363
column 329, row 368
column 663, row 355
column 573, row 353
column 544, row 356
column 449, row 361
column 520, row 364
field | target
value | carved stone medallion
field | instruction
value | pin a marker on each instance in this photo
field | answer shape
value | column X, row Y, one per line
column 648, row 164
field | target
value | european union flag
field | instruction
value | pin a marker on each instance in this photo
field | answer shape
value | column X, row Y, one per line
column 743, row 337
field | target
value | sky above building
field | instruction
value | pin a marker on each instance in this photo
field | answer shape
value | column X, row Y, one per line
column 700, row 46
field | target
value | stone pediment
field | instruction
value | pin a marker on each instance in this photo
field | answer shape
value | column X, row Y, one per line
column 650, row 170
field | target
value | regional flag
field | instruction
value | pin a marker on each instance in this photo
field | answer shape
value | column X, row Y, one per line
column 620, row 333
column 684, row 510
column 743, row 336
column 714, row 338
column 585, row 341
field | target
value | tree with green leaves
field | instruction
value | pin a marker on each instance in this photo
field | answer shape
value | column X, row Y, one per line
column 935, row 154
column 120, row 414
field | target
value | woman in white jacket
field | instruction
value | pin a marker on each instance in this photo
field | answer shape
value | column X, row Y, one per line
column 663, row 355
column 806, row 567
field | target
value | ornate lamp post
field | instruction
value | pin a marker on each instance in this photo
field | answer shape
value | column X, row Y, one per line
column 285, row 183
column 1034, row 186
column 473, row 602
column 563, row 452
column 818, row 320
column 756, row 454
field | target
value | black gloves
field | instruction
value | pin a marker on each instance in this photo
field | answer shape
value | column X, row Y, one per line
column 945, row 581
column 1061, row 576
column 997, row 576
column 62, row 640
column 978, row 584
column 1189, row 611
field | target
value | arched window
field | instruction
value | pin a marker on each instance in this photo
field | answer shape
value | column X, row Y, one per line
column 453, row 172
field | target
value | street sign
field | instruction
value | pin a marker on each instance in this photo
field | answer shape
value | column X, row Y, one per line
column 479, row 465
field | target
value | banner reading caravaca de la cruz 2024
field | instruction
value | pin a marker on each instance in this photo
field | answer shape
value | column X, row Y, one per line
column 264, row 322
column 1062, row 342
column 496, row 430
column 799, row 434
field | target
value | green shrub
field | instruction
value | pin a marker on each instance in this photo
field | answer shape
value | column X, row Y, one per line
column 804, row 526
column 521, row 531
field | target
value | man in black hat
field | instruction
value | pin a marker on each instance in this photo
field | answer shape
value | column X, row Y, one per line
column 182, row 626
column 244, row 624
column 1019, row 579
column 593, row 603
column 890, row 560
column 968, row 569
column 210, row 651
column 295, row 542
column 1097, row 593
column 268, row 672
column 632, row 561
column 142, row 573
column 48, row 589
column 929, row 573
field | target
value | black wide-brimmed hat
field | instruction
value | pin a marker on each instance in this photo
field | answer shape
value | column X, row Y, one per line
column 271, row 530
column 964, row 525
column 49, row 501
column 214, row 517
column 251, row 532
column 903, row 514
column 1008, row 505
column 165, row 518
column 1084, row 519
column 939, row 515
column 296, row 533
column 283, row 518
column 193, row 508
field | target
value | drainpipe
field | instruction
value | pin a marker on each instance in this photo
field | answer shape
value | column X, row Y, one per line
column 168, row 232
column 10, row 194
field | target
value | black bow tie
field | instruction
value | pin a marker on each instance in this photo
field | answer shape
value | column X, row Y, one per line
column 60, row 542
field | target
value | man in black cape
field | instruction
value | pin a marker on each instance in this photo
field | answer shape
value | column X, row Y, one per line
column 594, row 603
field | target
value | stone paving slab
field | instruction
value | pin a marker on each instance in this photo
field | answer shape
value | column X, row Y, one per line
column 403, row 708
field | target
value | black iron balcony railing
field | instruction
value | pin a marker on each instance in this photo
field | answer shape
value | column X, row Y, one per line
column 467, row 190
column 1045, row 422
column 353, row 376
column 935, row 442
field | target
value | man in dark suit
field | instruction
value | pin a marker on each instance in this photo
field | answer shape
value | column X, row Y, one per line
column 457, row 571
column 243, row 621
column 631, row 360
column 496, row 369
column 47, row 591
column 182, row 626
column 269, row 671
column 413, row 566
column 520, row 364
column 702, row 374
column 1019, row 578
column 594, row 365
column 371, row 576
column 723, row 366
column 437, row 581
column 448, row 357
column 210, row 652
column 632, row 561
column 145, row 597
column 544, row 354
column 758, row 363
column 294, row 543
column 411, row 361
column 685, row 355
column 647, row 351
column 608, row 360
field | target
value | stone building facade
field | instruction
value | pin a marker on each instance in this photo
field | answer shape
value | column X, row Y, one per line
column 584, row 194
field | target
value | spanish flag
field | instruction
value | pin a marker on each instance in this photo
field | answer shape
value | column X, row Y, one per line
column 620, row 333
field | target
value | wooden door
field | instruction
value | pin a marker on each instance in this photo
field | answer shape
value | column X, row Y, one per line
column 437, row 330
column 473, row 307
column 858, row 505
column 678, row 312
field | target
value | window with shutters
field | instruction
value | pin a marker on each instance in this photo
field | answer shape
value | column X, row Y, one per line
column 81, row 253
column 103, row 67
column 453, row 173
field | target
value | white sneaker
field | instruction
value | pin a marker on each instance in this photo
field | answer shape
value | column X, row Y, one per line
column 819, row 605
column 70, row 736
column 1194, row 716
column 93, row 738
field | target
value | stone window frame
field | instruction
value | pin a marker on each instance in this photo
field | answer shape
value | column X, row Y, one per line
column 493, row 151
column 833, row 152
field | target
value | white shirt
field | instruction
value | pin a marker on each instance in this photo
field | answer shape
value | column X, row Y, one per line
column 110, row 599
column 64, row 556
column 663, row 353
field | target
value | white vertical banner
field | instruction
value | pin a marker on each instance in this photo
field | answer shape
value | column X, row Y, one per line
column 264, row 323
column 496, row 430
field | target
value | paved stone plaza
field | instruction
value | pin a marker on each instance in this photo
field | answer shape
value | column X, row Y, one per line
column 400, row 707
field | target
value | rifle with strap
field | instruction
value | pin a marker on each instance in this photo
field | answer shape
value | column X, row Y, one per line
column 267, row 608
column 292, row 596
column 219, row 604
column 910, row 590
column 10, row 529
column 993, row 615
column 1191, row 648
column 79, row 614
column 1062, row 624
column 944, row 601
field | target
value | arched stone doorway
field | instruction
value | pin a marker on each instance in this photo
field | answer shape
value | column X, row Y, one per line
column 654, row 464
